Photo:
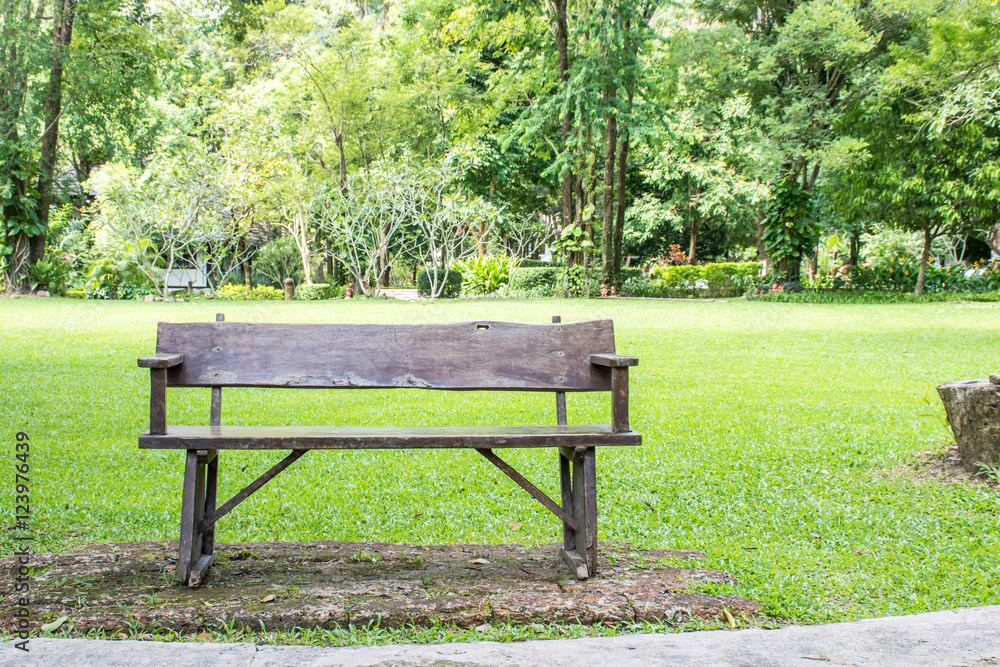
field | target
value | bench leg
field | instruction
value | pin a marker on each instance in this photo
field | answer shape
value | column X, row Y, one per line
column 578, row 481
column 196, row 549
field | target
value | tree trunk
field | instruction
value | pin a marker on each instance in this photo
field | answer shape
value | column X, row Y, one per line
column 619, row 236
column 693, row 217
column 607, row 228
column 693, row 245
column 925, row 255
column 562, row 46
column 247, row 269
column 855, row 247
column 62, row 33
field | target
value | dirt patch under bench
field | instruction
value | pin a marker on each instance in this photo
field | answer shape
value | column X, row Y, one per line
column 285, row 585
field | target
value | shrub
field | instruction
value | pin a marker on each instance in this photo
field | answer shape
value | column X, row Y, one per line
column 631, row 272
column 239, row 293
column 533, row 293
column 485, row 275
column 109, row 278
column 900, row 274
column 526, row 279
column 872, row 297
column 720, row 279
column 52, row 274
column 534, row 263
column 318, row 292
column 452, row 284
column 278, row 260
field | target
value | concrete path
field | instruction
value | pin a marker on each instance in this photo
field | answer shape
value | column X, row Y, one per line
column 967, row 637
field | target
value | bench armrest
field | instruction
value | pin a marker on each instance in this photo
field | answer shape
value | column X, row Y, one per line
column 619, row 365
column 161, row 360
column 158, row 365
column 613, row 360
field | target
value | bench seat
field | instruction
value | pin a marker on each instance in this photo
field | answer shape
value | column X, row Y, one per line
column 348, row 437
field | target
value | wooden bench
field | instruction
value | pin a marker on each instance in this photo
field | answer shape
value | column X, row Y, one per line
column 467, row 356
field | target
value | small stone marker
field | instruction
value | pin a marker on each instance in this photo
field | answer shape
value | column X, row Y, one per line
column 289, row 289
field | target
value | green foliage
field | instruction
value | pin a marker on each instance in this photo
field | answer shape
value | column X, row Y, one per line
column 110, row 278
column 534, row 263
column 699, row 280
column 843, row 296
column 988, row 471
column 258, row 293
column 50, row 274
column 487, row 274
column 790, row 232
column 452, row 284
column 531, row 278
column 575, row 279
column 278, row 260
column 900, row 274
column 318, row 292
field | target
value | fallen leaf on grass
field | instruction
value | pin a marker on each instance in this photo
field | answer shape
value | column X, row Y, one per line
column 479, row 561
column 729, row 617
column 54, row 625
column 267, row 598
column 484, row 627
column 514, row 525
column 205, row 637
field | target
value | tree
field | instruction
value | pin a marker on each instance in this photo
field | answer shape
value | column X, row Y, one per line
column 810, row 62
column 171, row 215
column 903, row 179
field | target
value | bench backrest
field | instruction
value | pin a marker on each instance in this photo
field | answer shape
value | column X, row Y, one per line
column 459, row 355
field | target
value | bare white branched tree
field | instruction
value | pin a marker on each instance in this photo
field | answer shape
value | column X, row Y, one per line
column 525, row 238
column 366, row 220
column 450, row 224
column 170, row 216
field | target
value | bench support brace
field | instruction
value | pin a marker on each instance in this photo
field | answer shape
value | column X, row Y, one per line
column 578, row 482
column 535, row 492
column 198, row 513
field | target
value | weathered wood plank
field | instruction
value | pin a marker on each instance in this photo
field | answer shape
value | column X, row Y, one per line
column 457, row 356
column 566, row 494
column 613, row 360
column 589, row 519
column 157, row 401
column 192, row 509
column 560, row 395
column 161, row 360
column 332, row 437
column 576, row 563
column 199, row 571
column 619, row 400
column 211, row 498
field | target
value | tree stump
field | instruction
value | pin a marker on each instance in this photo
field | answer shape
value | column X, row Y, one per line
column 973, row 408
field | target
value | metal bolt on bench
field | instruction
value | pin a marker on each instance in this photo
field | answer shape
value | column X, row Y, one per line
column 459, row 356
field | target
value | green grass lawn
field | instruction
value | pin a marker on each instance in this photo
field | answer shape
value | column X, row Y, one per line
column 778, row 438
